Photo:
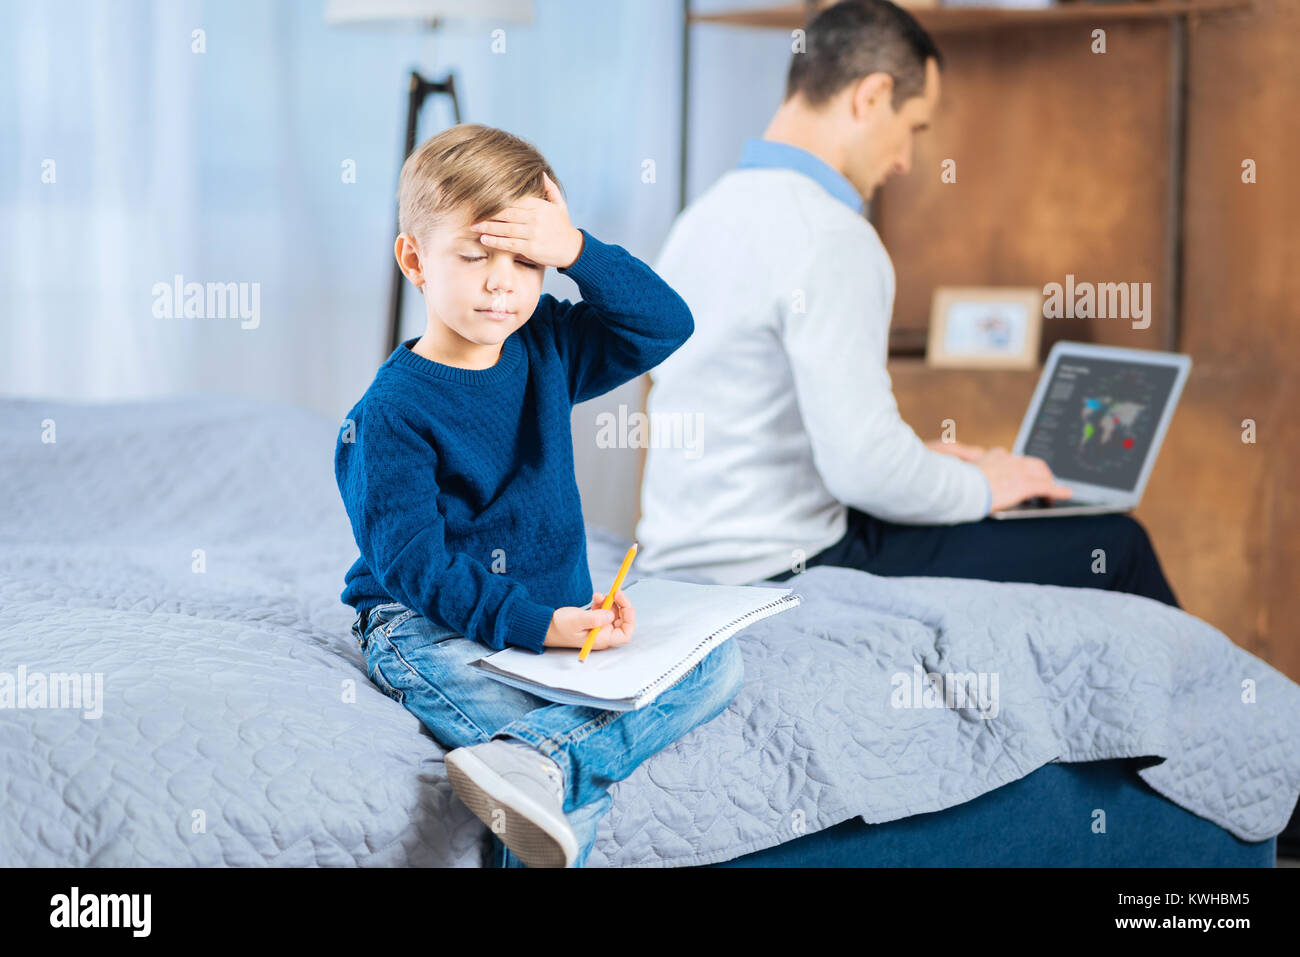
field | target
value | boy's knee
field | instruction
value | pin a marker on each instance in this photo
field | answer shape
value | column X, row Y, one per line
column 712, row 684
column 729, row 674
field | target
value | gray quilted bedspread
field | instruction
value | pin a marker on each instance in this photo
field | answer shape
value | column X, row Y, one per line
column 188, row 555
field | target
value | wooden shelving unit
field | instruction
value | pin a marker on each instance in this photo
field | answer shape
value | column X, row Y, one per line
column 789, row 16
column 951, row 20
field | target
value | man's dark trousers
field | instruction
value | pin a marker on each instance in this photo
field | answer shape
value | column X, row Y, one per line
column 1043, row 551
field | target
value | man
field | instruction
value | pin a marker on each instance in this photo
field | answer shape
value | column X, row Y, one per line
column 803, row 457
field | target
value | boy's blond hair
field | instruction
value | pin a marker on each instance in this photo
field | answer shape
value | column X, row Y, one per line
column 467, row 168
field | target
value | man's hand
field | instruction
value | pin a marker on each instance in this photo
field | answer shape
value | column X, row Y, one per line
column 1015, row 478
column 569, row 625
column 967, row 453
column 537, row 229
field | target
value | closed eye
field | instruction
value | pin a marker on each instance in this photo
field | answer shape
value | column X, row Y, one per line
column 479, row 259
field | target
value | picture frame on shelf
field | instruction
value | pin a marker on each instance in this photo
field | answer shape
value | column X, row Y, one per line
column 985, row 327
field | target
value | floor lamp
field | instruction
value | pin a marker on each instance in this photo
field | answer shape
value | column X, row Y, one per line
column 431, row 14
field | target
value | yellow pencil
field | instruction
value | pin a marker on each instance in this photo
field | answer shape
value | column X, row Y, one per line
column 609, row 600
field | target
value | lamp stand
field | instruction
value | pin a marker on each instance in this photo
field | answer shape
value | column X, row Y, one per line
column 420, row 90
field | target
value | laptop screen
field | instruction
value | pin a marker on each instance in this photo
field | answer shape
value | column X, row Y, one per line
column 1098, row 419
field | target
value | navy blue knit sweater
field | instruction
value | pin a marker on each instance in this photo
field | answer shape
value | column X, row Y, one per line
column 459, row 482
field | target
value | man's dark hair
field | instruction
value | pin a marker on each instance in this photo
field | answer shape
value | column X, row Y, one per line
column 855, row 38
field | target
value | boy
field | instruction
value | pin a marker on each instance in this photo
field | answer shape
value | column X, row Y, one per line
column 460, row 486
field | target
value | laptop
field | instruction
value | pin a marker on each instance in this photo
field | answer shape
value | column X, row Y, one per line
column 1097, row 418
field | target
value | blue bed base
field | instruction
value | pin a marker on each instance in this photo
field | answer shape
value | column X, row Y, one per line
column 1053, row 812
column 1052, row 808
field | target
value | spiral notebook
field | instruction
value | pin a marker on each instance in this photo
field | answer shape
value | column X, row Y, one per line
column 677, row 624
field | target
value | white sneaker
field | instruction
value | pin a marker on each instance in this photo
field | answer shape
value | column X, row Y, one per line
column 518, row 792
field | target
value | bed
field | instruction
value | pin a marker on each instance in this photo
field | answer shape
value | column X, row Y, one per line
column 187, row 555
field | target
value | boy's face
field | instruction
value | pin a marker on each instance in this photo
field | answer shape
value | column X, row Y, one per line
column 474, row 296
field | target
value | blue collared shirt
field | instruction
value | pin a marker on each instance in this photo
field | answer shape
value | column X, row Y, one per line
column 758, row 153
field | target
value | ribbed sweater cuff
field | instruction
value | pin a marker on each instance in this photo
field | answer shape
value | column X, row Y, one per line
column 593, row 263
column 529, row 623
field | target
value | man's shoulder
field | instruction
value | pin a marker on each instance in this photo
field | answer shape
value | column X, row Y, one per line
column 756, row 194
column 779, row 212
column 745, row 215
column 857, row 242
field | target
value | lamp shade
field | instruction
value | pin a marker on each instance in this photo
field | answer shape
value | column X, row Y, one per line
column 363, row 11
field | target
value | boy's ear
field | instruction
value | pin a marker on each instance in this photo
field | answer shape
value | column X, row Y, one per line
column 408, row 259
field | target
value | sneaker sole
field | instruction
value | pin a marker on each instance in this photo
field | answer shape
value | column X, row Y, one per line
column 527, row 832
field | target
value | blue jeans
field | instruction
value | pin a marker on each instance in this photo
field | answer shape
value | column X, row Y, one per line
column 425, row 667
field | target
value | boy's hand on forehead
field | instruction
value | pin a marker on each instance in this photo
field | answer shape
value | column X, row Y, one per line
column 535, row 228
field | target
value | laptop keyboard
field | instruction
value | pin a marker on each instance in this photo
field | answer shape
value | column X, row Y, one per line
column 1034, row 504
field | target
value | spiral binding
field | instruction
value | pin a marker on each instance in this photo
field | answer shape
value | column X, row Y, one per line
column 691, row 660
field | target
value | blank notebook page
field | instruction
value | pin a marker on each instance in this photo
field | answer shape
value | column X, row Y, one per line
column 674, row 622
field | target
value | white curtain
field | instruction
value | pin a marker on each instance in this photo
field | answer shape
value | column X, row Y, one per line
column 220, row 166
column 89, row 113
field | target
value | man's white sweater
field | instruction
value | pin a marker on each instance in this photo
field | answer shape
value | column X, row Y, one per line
column 791, row 291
